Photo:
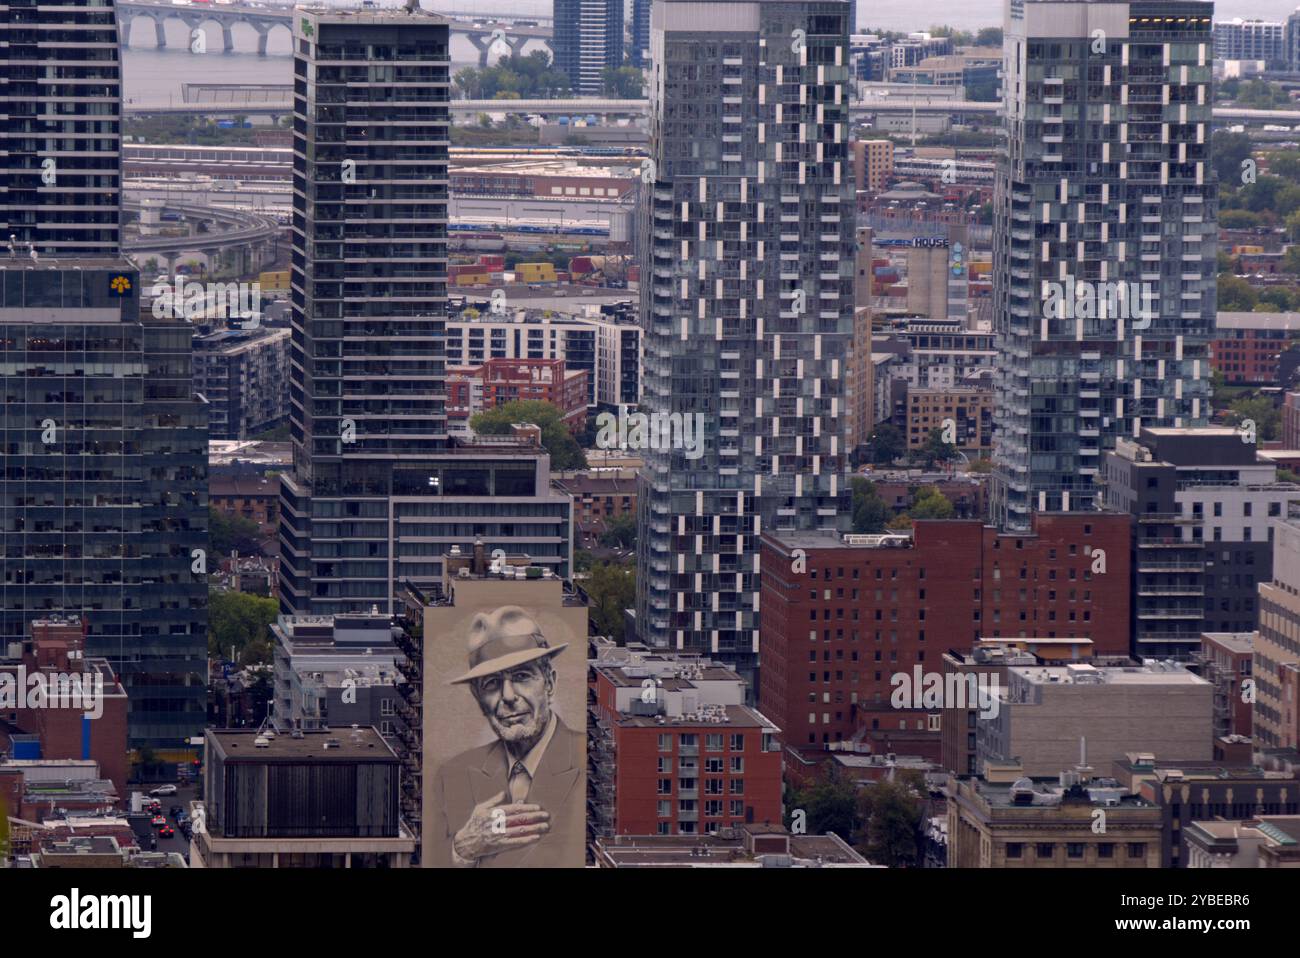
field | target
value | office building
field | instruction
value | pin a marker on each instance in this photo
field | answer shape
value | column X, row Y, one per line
column 1188, row 791
column 1239, row 39
column 967, row 409
column 104, row 491
column 1106, row 181
column 873, row 164
column 1007, row 819
column 1204, row 506
column 748, row 307
column 1275, row 659
column 606, row 345
column 588, row 40
column 61, row 143
column 747, row 846
column 326, row 799
column 675, row 751
column 1046, row 711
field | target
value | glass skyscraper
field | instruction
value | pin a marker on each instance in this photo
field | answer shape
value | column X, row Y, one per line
column 747, row 299
column 1105, row 193
column 103, row 495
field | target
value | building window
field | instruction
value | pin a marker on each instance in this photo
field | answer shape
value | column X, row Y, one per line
column 1045, row 850
column 665, row 808
column 665, row 743
column 737, row 786
column 386, row 707
column 665, row 786
column 737, row 743
column 1106, row 850
column 738, row 764
column 1015, row 850
column 1137, row 849
column 713, row 742
column 1074, row 850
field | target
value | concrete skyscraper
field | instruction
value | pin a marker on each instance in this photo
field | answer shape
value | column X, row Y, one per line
column 378, row 493
column 61, row 141
column 1104, row 240
column 747, row 306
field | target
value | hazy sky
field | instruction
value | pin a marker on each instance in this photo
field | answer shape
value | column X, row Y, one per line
column 887, row 14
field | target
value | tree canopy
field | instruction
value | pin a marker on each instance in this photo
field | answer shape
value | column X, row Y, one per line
column 564, row 450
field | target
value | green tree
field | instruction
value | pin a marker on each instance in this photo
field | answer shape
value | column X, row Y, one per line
column 1236, row 295
column 620, row 532
column 869, row 511
column 1229, row 150
column 623, row 83
column 1239, row 219
column 1259, row 410
column 900, row 523
column 989, row 37
column 936, row 450
column 983, row 466
column 930, row 503
column 227, row 533
column 564, row 450
column 611, row 588
column 243, row 621
column 894, row 815
column 886, row 444
column 829, row 805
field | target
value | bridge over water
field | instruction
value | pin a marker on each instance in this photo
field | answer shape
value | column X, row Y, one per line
column 513, row 30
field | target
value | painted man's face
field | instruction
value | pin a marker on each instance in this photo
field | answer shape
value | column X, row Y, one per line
column 517, row 702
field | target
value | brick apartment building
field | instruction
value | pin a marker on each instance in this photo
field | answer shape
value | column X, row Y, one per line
column 597, row 498
column 249, row 497
column 845, row 614
column 674, row 751
column 63, row 731
column 1247, row 345
column 499, row 381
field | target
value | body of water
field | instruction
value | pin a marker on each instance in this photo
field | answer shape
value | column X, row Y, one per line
column 154, row 76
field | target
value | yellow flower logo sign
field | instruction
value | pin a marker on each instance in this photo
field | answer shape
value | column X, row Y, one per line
column 120, row 285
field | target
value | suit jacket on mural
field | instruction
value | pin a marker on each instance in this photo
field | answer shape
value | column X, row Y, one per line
column 472, row 777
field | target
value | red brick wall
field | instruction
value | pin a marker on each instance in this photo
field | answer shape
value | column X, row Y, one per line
column 890, row 609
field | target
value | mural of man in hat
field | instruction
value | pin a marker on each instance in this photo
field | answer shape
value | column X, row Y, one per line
column 516, row 801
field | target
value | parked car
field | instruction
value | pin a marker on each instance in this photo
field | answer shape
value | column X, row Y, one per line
column 159, row 822
column 163, row 790
column 175, row 810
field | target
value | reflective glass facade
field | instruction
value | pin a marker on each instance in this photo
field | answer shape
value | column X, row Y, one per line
column 103, row 495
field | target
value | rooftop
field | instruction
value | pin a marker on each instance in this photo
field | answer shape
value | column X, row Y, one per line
column 1077, row 673
column 331, row 745
column 1242, row 642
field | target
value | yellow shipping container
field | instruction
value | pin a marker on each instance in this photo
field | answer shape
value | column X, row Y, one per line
column 277, row 279
column 1247, row 250
column 535, row 272
column 472, row 279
